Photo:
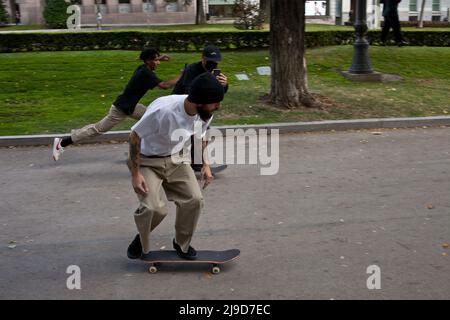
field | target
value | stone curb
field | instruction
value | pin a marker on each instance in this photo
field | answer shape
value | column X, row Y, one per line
column 290, row 127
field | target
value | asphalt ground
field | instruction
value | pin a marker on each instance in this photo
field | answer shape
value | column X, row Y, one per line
column 341, row 202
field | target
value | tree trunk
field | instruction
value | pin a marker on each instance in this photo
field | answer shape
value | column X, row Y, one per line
column 422, row 8
column 289, row 82
column 200, row 17
column 264, row 6
column 12, row 4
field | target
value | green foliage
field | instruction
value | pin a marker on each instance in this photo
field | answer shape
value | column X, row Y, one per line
column 55, row 14
column 4, row 17
column 249, row 16
column 191, row 41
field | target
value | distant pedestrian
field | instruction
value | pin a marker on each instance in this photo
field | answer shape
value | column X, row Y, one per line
column 99, row 20
column 17, row 17
column 391, row 20
column 316, row 9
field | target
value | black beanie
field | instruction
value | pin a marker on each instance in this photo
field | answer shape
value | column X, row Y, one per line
column 205, row 89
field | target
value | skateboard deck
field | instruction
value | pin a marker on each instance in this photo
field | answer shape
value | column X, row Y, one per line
column 215, row 258
column 218, row 168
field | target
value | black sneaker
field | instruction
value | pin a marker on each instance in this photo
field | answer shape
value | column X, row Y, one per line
column 190, row 255
column 135, row 248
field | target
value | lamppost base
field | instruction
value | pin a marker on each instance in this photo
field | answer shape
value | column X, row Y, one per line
column 370, row 77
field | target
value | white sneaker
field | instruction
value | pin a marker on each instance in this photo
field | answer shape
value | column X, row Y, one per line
column 57, row 149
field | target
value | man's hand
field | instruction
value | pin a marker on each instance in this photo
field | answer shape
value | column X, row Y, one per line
column 139, row 185
column 222, row 79
column 164, row 57
column 207, row 176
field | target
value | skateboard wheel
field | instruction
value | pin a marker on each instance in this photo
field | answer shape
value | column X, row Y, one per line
column 152, row 269
column 216, row 270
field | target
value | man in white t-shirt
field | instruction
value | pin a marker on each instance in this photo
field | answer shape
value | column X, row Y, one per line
column 157, row 160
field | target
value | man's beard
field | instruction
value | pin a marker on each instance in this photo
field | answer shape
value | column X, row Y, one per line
column 210, row 65
column 204, row 115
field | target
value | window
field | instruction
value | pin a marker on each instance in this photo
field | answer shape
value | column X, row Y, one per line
column 412, row 18
column 436, row 5
column 436, row 18
column 124, row 1
column 412, row 5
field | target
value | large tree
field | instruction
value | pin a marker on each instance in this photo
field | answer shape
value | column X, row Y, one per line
column 200, row 16
column 422, row 9
column 4, row 18
column 289, row 86
column 264, row 5
column 55, row 14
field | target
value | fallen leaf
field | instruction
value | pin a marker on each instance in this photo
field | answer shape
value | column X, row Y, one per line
column 430, row 206
column 208, row 275
column 445, row 245
column 12, row 246
column 377, row 133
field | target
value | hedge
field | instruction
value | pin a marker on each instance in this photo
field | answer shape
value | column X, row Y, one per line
column 190, row 41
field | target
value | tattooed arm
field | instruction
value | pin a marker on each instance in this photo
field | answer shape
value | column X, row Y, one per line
column 137, row 179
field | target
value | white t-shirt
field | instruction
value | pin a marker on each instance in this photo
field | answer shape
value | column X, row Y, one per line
column 166, row 127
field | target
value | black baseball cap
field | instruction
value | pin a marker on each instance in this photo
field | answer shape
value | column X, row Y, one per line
column 205, row 89
column 212, row 53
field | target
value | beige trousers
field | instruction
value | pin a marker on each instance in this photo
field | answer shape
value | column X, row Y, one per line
column 180, row 185
column 113, row 118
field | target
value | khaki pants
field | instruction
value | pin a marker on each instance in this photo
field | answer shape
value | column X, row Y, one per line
column 180, row 185
column 113, row 118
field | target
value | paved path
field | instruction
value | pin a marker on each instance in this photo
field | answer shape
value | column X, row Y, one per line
column 340, row 203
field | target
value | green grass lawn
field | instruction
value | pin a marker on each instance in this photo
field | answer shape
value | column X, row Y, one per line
column 52, row 92
column 20, row 27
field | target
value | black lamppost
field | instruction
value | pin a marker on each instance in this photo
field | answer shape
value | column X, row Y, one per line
column 361, row 62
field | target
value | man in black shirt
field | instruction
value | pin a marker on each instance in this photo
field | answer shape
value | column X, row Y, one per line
column 210, row 60
column 391, row 20
column 126, row 105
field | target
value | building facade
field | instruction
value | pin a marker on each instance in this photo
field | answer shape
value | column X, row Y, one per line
column 341, row 11
column 125, row 12
column 141, row 12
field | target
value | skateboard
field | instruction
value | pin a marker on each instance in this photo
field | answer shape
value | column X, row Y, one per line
column 215, row 169
column 215, row 258
column 218, row 169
